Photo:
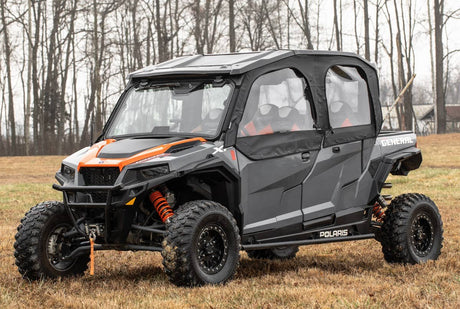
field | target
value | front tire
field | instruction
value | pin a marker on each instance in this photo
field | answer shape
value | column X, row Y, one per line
column 40, row 244
column 202, row 245
column 412, row 230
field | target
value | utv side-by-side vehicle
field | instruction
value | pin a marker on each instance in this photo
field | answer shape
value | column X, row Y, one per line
column 204, row 156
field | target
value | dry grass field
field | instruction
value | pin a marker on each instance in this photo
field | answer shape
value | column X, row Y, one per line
column 351, row 274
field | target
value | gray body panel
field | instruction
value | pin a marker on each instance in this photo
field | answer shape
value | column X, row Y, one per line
column 271, row 191
column 323, row 189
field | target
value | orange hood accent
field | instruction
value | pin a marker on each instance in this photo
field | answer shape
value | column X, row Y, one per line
column 91, row 159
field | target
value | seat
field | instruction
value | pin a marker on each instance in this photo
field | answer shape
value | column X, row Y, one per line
column 210, row 122
column 262, row 121
column 212, row 119
column 341, row 115
column 290, row 119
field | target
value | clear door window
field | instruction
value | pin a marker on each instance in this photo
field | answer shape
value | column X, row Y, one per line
column 347, row 97
column 277, row 103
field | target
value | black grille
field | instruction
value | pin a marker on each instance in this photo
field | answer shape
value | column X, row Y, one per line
column 99, row 197
column 99, row 176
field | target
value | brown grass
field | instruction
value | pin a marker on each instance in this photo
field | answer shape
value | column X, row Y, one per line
column 350, row 274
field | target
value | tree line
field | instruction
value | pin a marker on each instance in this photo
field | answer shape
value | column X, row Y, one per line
column 64, row 62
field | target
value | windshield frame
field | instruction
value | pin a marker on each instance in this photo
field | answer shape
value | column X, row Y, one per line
column 135, row 84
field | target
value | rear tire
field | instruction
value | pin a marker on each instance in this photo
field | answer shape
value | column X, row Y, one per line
column 278, row 253
column 202, row 245
column 40, row 244
column 412, row 230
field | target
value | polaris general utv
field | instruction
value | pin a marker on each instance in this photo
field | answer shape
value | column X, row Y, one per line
column 206, row 155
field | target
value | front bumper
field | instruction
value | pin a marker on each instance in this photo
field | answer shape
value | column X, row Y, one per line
column 117, row 198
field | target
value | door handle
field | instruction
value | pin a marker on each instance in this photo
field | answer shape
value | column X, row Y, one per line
column 306, row 156
column 336, row 149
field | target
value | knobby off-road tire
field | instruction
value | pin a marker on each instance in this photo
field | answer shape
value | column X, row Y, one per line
column 39, row 244
column 278, row 253
column 412, row 230
column 202, row 245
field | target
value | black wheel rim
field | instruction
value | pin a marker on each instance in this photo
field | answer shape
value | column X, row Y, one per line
column 422, row 234
column 212, row 249
column 57, row 247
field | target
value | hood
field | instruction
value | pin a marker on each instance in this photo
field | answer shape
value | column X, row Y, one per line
column 129, row 147
column 112, row 153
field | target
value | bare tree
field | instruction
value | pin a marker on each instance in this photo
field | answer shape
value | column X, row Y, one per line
column 378, row 7
column 355, row 15
column 390, row 52
column 34, row 36
column 367, row 47
column 304, row 21
column 75, row 136
column 134, row 5
column 29, row 80
column 430, row 32
column 405, row 24
column 231, row 25
column 318, row 8
column 207, row 31
column 99, row 12
column 253, row 16
column 167, row 15
column 7, row 46
column 64, row 74
column 338, row 30
column 440, row 111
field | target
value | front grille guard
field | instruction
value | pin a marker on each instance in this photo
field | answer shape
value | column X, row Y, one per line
column 109, row 204
column 88, row 189
column 85, row 249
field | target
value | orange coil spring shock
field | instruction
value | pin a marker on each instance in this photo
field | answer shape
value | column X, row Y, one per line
column 378, row 212
column 161, row 205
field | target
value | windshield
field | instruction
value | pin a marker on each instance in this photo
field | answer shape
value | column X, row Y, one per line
column 188, row 108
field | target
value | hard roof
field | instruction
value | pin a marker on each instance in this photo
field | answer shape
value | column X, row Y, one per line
column 234, row 63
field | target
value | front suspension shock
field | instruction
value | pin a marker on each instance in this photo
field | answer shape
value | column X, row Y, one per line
column 161, row 206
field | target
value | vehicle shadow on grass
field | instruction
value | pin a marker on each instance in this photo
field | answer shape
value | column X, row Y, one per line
column 132, row 274
column 250, row 268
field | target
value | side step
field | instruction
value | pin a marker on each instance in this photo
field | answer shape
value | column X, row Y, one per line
column 387, row 185
column 306, row 242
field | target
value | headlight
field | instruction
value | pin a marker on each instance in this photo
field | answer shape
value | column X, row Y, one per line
column 67, row 172
column 154, row 172
column 144, row 174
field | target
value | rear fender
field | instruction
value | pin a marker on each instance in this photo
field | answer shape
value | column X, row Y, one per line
column 404, row 162
column 399, row 163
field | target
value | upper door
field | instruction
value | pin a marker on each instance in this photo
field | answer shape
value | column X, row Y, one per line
column 277, row 145
column 347, row 98
column 333, row 186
